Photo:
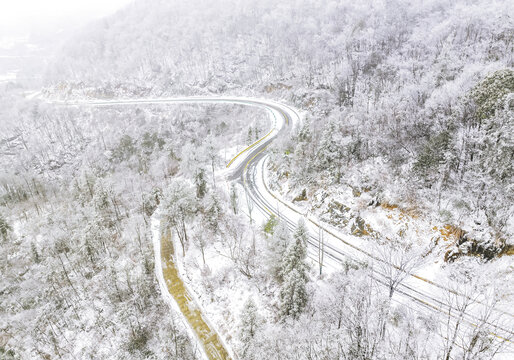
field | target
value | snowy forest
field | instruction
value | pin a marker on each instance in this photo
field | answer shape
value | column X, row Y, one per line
column 230, row 179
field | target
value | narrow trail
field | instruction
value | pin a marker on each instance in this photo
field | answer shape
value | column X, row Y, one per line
column 212, row 345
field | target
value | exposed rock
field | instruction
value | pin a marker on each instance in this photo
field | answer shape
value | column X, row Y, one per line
column 301, row 197
column 337, row 214
column 360, row 227
column 486, row 250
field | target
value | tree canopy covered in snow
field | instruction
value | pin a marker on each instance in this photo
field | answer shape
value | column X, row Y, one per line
column 406, row 146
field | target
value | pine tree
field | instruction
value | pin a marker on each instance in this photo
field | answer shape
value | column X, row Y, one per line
column 4, row 228
column 201, row 183
column 433, row 156
column 105, row 205
column 497, row 158
column 124, row 150
column 35, row 253
column 296, row 253
column 294, row 259
column 304, row 154
column 301, row 231
column 489, row 95
column 102, row 194
column 213, row 213
column 249, row 321
column 293, row 295
column 233, row 198
column 257, row 133
column 269, row 226
column 250, row 136
column 277, row 246
column 330, row 153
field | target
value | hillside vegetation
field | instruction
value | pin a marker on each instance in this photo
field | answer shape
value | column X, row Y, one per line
column 415, row 92
column 406, row 147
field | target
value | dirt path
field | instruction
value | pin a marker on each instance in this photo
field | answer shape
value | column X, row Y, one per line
column 208, row 337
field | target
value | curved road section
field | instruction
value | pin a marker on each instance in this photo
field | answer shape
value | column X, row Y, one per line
column 173, row 288
column 248, row 167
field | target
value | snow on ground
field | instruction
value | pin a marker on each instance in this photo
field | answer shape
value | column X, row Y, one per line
column 9, row 76
column 387, row 224
column 218, row 288
column 388, row 221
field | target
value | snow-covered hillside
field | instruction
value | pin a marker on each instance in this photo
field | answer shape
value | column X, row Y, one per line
column 405, row 148
column 389, row 86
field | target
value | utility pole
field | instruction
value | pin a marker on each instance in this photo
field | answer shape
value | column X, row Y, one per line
column 321, row 249
column 249, row 204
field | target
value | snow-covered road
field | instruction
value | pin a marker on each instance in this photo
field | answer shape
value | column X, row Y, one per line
column 249, row 167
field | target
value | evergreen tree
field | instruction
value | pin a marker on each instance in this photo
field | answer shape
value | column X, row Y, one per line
column 250, row 136
column 4, row 228
column 35, row 253
column 293, row 295
column 330, row 153
column 248, row 321
column 201, row 183
column 233, row 198
column 124, row 150
column 305, row 157
column 294, row 258
column 303, row 140
column 257, row 133
column 277, row 246
column 213, row 213
column 301, row 231
column 489, row 95
column 497, row 158
column 296, row 253
column 105, row 204
column 269, row 226
column 433, row 156
column 101, row 198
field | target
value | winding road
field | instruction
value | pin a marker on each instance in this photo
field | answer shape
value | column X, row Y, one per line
column 249, row 168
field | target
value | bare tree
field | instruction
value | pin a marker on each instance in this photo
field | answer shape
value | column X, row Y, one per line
column 473, row 328
column 213, row 157
column 179, row 207
column 240, row 251
column 394, row 265
column 364, row 320
column 199, row 240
